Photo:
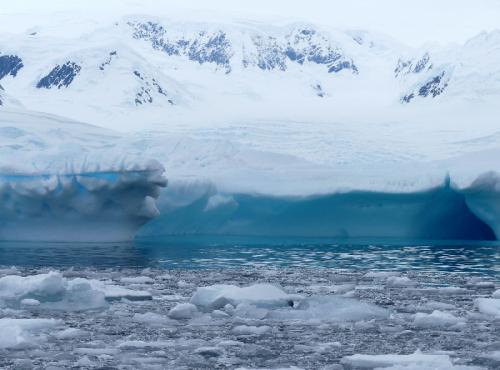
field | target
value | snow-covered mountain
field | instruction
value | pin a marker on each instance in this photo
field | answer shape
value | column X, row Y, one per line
column 142, row 69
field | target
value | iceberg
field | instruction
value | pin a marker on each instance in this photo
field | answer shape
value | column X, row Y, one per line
column 61, row 180
column 442, row 212
column 85, row 206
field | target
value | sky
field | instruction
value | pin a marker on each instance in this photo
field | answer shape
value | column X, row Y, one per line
column 412, row 22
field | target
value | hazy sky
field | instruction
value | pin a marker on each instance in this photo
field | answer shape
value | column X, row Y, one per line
column 413, row 22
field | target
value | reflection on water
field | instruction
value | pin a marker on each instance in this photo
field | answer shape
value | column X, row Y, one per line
column 478, row 258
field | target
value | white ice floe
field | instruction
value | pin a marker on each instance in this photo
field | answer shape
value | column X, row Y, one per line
column 183, row 311
column 265, row 301
column 30, row 302
column 496, row 294
column 143, row 344
column 381, row 274
column 495, row 356
column 112, row 292
column 331, row 308
column 71, row 333
column 24, row 332
column 436, row 319
column 488, row 306
column 152, row 318
column 400, row 281
column 137, row 280
column 53, row 291
column 262, row 295
column 251, row 330
column 415, row 361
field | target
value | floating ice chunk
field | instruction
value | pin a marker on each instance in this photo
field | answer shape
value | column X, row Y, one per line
column 381, row 274
column 496, row 294
column 251, row 330
column 261, row 295
column 137, row 280
column 142, row 344
column 250, row 311
column 434, row 305
column 436, row 319
column 230, row 343
column 151, row 318
column 218, row 314
column 416, row 361
column 42, row 285
column 70, row 333
column 183, row 311
column 479, row 283
column 331, row 308
column 30, row 302
column 51, row 291
column 495, row 356
column 22, row 332
column 84, row 362
column 488, row 306
column 451, row 290
column 400, row 281
column 115, row 292
column 95, row 351
column 274, row 368
column 208, row 351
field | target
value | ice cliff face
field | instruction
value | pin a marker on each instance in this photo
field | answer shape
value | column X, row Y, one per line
column 88, row 206
column 58, row 182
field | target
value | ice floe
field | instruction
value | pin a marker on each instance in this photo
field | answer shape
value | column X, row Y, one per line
column 415, row 361
column 436, row 319
column 24, row 332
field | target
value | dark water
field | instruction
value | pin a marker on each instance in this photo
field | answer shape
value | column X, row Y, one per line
column 469, row 258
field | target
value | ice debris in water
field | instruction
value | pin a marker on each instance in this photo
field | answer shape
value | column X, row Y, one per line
column 265, row 318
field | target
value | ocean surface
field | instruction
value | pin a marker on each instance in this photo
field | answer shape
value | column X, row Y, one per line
column 474, row 258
